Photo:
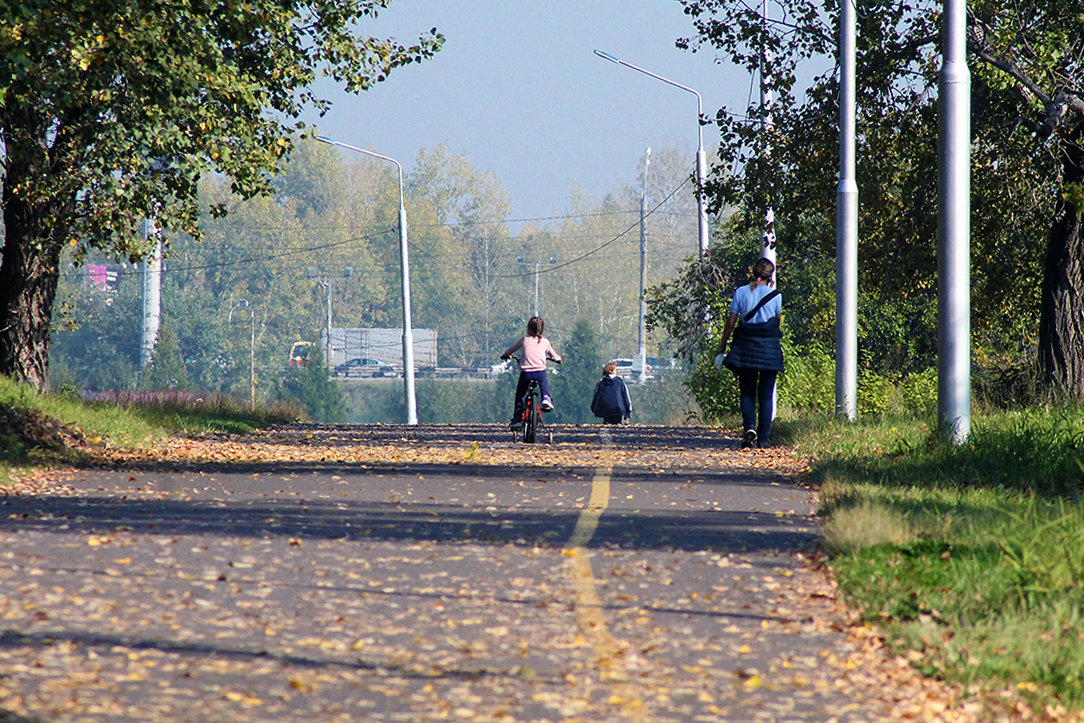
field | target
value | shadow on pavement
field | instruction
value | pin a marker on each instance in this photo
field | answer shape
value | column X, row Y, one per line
column 16, row 639
column 718, row 531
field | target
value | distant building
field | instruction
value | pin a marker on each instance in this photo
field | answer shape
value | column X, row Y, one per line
column 385, row 345
column 99, row 277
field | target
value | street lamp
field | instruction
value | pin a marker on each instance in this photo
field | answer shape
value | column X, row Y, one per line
column 701, row 162
column 325, row 281
column 641, row 346
column 953, row 228
column 521, row 259
column 847, row 222
column 243, row 304
column 408, row 334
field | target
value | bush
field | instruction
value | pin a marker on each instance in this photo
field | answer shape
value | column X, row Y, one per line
column 918, row 392
column 663, row 400
column 1000, row 381
column 808, row 383
column 875, row 394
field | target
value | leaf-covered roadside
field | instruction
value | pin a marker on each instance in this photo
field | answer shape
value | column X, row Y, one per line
column 733, row 668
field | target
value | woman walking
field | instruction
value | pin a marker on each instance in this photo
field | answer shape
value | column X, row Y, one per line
column 755, row 356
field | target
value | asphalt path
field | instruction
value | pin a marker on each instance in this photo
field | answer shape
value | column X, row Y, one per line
column 389, row 573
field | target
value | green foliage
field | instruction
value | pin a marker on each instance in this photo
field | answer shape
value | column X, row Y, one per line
column 663, row 400
column 167, row 369
column 465, row 402
column 311, row 388
column 807, row 385
column 111, row 113
column 873, row 393
column 1025, row 159
column 969, row 555
column 572, row 384
column 197, row 84
column 334, row 211
column 716, row 393
column 918, row 392
column 97, row 335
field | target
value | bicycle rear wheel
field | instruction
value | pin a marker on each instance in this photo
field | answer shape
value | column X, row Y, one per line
column 530, row 426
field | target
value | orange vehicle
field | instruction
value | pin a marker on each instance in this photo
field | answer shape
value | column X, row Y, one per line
column 299, row 353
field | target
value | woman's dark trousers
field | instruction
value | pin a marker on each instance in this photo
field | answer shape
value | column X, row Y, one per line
column 757, row 387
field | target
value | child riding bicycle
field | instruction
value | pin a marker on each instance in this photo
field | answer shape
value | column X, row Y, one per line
column 536, row 350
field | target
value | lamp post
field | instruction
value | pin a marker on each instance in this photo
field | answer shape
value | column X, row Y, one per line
column 701, row 161
column 954, row 228
column 641, row 346
column 326, row 281
column 243, row 304
column 408, row 334
column 847, row 224
column 521, row 259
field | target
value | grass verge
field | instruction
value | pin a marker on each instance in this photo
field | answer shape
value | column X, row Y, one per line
column 969, row 558
column 48, row 429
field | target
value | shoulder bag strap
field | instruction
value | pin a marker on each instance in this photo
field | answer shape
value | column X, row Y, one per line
column 767, row 297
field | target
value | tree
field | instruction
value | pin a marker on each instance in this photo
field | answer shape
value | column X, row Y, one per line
column 110, row 112
column 167, row 369
column 1027, row 62
column 310, row 387
column 96, row 345
column 574, row 381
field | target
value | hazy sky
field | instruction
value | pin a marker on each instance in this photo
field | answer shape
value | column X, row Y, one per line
column 519, row 91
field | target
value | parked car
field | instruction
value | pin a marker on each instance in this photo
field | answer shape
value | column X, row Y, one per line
column 364, row 367
column 627, row 367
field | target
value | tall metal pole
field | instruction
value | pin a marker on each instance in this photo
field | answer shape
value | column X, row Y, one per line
column 409, row 396
column 767, row 246
column 537, row 266
column 152, row 297
column 703, row 236
column 252, row 357
column 847, row 224
column 408, row 333
column 327, row 351
column 954, row 229
column 641, row 348
column 702, row 233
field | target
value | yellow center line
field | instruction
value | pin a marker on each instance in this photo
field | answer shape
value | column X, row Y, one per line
column 589, row 614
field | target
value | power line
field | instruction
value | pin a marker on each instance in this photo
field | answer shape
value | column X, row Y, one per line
column 593, row 251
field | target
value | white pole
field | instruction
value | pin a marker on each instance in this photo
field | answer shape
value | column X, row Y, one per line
column 408, row 333
column 252, row 358
column 641, row 349
column 954, row 229
column 152, row 297
column 409, row 395
column 767, row 245
column 847, row 224
column 327, row 357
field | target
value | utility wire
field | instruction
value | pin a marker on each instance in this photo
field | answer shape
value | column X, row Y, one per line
column 593, row 251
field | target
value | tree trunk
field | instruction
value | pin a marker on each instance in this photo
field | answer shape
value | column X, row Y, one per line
column 29, row 272
column 1061, row 320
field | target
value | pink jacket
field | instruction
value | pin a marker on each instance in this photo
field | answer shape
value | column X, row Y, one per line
column 535, row 353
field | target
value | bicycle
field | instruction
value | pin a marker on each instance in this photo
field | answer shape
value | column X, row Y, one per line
column 529, row 424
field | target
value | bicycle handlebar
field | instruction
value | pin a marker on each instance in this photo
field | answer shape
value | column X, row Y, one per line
column 513, row 356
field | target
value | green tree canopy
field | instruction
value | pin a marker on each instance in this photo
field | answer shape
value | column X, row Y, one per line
column 1027, row 63
column 111, row 111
